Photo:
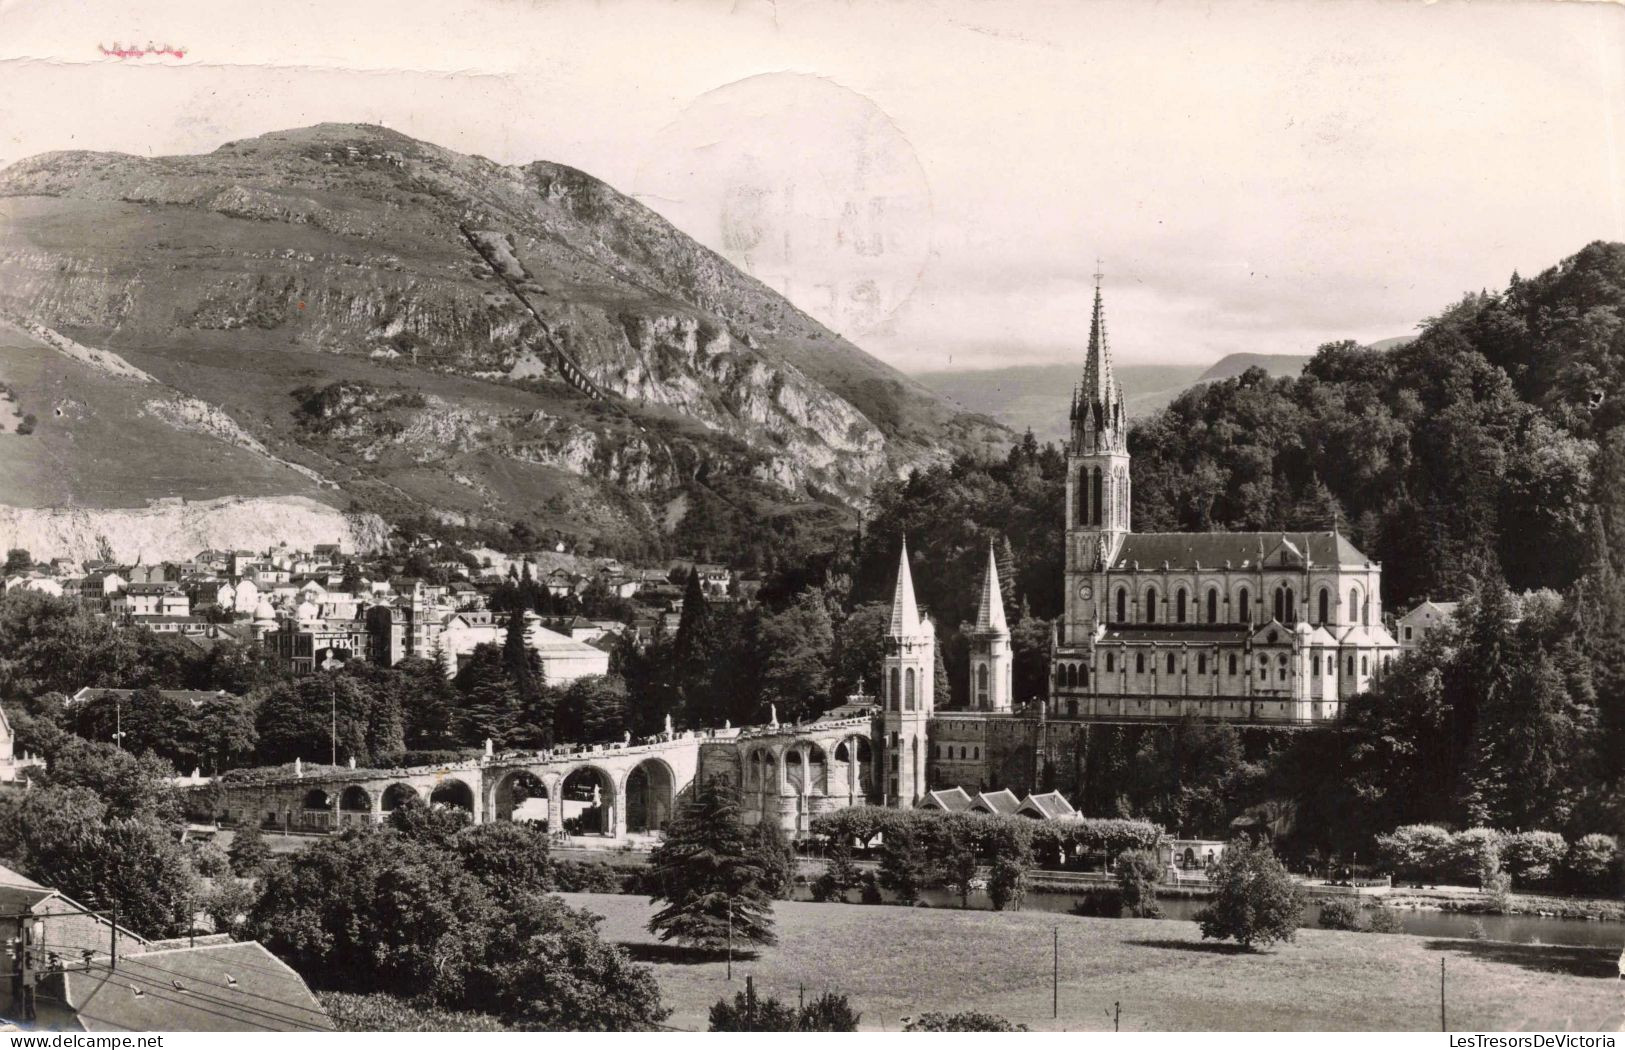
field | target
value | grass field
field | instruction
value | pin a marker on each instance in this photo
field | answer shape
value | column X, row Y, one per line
column 894, row 962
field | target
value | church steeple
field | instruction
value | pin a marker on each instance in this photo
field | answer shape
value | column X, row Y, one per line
column 905, row 611
column 990, row 610
column 1099, row 419
column 990, row 663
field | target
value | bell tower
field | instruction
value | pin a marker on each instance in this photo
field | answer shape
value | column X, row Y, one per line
column 1097, row 484
column 990, row 677
column 908, row 676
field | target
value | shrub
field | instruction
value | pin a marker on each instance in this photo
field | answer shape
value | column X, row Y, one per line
column 1533, row 858
column 1384, row 920
column 965, row 1021
column 1592, row 864
column 1256, row 902
column 1339, row 913
column 210, row 861
column 1416, row 851
column 824, row 889
column 1477, row 931
column 869, row 889
column 1474, row 856
column 1137, row 872
column 248, row 850
column 752, row 1013
column 28, row 424
column 581, row 876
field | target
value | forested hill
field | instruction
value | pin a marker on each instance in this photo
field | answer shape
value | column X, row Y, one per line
column 1480, row 447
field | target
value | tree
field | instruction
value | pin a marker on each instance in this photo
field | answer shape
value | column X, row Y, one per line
column 793, row 649
column 1339, row 913
column 228, row 903
column 953, row 848
column 435, row 825
column 591, row 710
column 17, row 560
column 904, row 868
column 1255, row 900
column 777, row 858
column 68, row 839
column 128, row 785
column 748, row 1013
column 713, row 884
column 509, row 857
column 1592, row 864
column 1137, row 874
column 248, row 851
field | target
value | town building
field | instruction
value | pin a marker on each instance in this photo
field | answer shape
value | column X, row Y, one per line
column 1422, row 621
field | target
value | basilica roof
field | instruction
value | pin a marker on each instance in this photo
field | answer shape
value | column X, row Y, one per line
column 1175, row 633
column 1237, row 550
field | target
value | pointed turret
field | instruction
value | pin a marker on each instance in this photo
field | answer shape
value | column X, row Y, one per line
column 990, row 609
column 905, row 612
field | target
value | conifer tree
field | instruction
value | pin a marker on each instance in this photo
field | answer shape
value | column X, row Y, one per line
column 708, row 876
column 248, row 850
column 694, row 654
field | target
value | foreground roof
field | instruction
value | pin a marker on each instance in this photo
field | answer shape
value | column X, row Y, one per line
column 237, row 987
column 953, row 800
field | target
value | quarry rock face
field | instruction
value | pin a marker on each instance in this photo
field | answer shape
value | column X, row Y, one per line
column 523, row 315
column 175, row 530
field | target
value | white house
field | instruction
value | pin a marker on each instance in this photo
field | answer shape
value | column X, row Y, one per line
column 1416, row 625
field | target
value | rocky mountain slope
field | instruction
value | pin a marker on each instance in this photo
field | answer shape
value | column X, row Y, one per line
column 405, row 328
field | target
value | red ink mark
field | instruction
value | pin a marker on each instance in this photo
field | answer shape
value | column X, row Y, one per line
column 301, row 306
column 133, row 51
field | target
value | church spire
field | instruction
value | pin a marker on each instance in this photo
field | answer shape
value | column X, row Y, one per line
column 990, row 612
column 1099, row 418
column 1099, row 384
column 905, row 612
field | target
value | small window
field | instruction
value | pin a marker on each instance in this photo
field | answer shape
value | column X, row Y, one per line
column 1351, row 665
column 976, row 752
column 1201, row 663
column 1139, row 663
column 1111, row 662
column 1408, row 634
column 1232, row 663
column 1363, row 666
column 1170, row 663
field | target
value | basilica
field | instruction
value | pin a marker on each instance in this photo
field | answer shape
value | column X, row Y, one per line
column 1250, row 628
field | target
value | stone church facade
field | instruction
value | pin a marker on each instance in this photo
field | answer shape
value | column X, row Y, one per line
column 1258, row 628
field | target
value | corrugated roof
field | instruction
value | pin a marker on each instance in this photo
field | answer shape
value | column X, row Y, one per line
column 1212, row 550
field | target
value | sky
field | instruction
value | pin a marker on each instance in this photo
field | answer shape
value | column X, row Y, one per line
column 940, row 180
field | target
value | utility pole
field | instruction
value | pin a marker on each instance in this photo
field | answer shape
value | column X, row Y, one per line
column 112, row 929
column 1117, row 1016
column 1055, row 974
column 731, row 943
column 333, row 728
column 1441, row 994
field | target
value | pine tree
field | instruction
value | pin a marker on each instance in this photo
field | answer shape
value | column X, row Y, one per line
column 1005, row 559
column 694, row 655
column 710, row 878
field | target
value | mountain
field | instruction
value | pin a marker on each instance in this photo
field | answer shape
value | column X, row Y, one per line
column 346, row 315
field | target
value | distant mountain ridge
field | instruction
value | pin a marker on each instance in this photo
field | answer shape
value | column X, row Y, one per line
column 428, row 332
column 1036, row 396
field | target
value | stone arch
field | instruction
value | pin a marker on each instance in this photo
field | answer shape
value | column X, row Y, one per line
column 908, row 689
column 856, row 756
column 1212, row 605
column 355, row 799
column 317, row 799
column 521, row 795
column 650, row 795
column 587, row 801
column 1244, row 605
column 397, row 795
column 795, row 774
column 1097, row 486
column 1122, row 605
column 1150, row 606
column 817, row 769
column 1179, row 606
column 453, row 791
column 1325, row 606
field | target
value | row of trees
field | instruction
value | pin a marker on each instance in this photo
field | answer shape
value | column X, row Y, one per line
column 1540, row 860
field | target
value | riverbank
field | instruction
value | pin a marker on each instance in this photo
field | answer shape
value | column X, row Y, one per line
column 895, row 962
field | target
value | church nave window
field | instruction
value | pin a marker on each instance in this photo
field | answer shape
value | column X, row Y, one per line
column 1213, row 605
column 1232, row 663
column 1170, row 663
column 1111, row 663
column 1151, row 605
column 1354, row 604
column 1246, row 604
column 1181, row 606
column 1201, row 663
column 1139, row 663
column 1325, row 605
column 1122, row 605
